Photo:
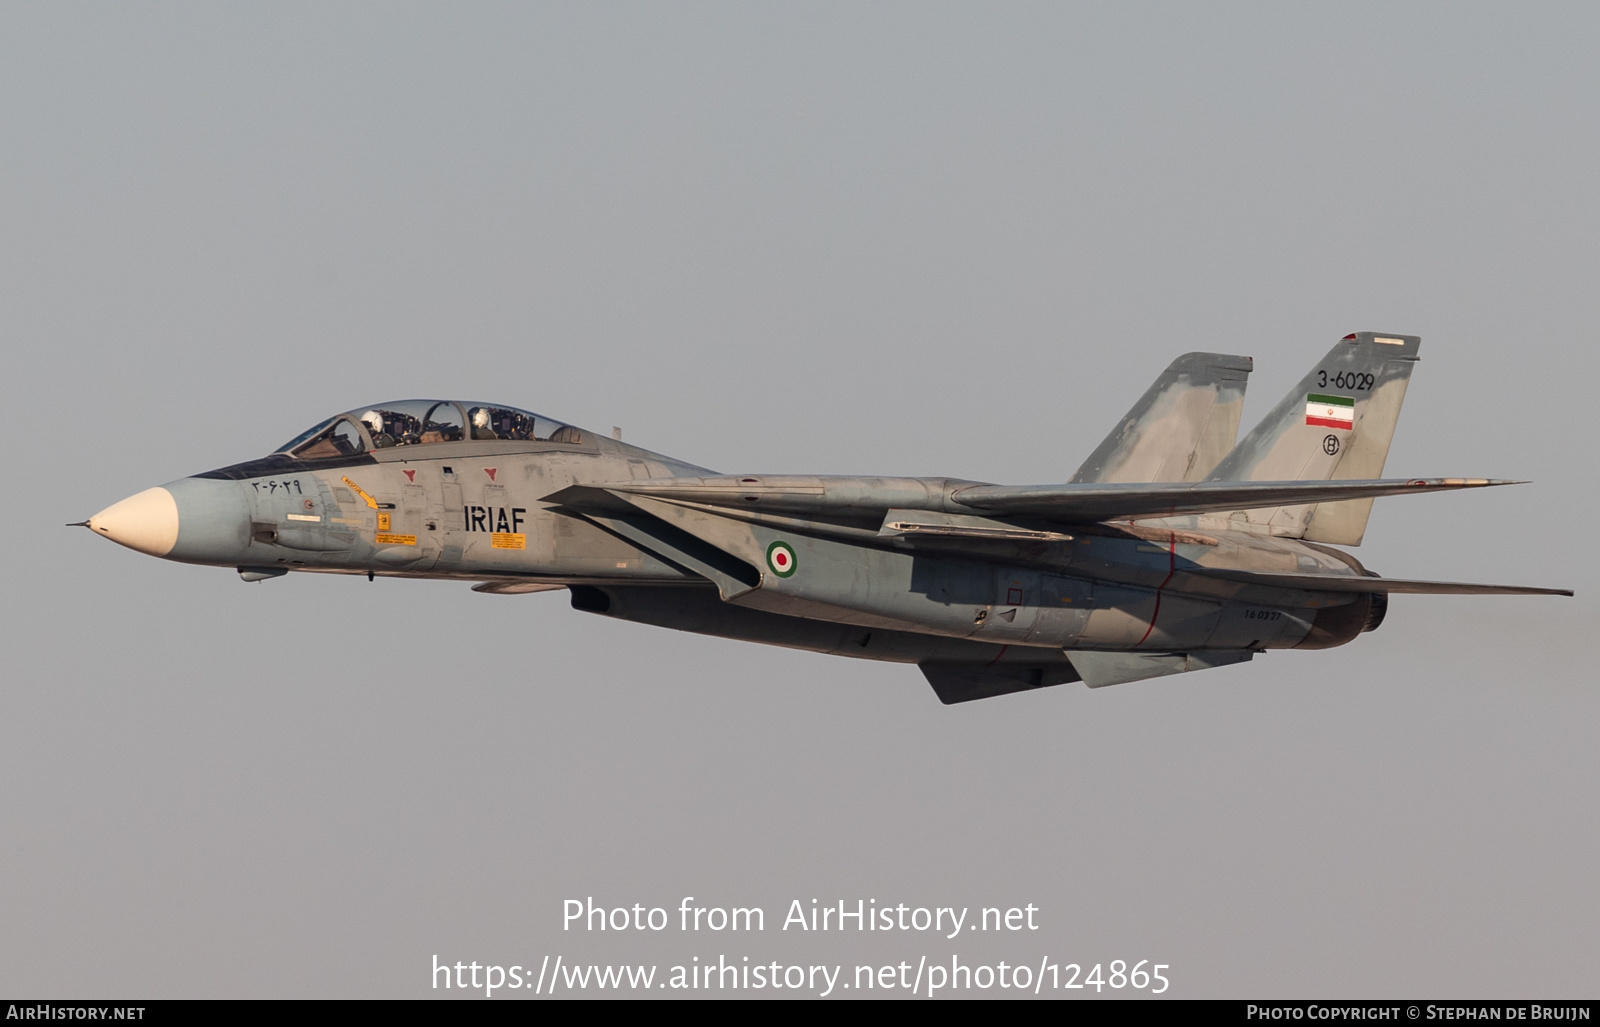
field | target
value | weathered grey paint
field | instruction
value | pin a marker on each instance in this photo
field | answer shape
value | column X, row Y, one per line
column 1345, row 523
column 1180, row 428
column 861, row 502
column 1101, row 669
column 991, row 589
column 1369, row 368
column 213, row 520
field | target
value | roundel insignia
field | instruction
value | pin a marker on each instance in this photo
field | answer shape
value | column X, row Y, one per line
column 780, row 557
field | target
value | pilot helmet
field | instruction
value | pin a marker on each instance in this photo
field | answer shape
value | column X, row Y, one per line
column 480, row 417
column 374, row 422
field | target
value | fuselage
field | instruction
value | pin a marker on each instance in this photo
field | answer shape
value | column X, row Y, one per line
column 1173, row 548
column 481, row 510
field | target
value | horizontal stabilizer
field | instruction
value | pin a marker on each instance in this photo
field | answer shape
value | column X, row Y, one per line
column 964, row 682
column 1361, row 583
column 1101, row 669
column 1076, row 504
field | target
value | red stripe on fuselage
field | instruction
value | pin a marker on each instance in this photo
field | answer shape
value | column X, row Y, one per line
column 1172, row 568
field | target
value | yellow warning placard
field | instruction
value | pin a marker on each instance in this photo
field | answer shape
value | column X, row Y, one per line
column 383, row 522
column 360, row 492
column 386, row 539
column 508, row 540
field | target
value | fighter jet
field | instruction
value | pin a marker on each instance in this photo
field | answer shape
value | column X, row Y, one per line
column 1172, row 549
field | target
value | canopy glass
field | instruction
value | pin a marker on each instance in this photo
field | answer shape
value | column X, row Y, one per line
column 421, row 422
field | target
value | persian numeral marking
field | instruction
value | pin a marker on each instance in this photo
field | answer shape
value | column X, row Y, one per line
column 272, row 486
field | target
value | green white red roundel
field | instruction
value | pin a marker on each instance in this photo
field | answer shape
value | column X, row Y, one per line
column 780, row 557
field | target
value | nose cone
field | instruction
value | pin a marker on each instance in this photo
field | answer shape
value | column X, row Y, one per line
column 195, row 520
column 147, row 522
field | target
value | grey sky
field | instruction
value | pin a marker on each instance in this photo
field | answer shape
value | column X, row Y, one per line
column 909, row 239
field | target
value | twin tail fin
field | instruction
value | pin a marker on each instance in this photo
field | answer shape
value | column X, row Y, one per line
column 1336, row 424
column 1179, row 429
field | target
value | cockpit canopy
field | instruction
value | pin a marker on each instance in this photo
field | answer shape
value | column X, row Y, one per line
column 419, row 422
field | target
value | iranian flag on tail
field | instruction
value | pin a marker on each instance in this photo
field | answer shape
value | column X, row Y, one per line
column 1331, row 411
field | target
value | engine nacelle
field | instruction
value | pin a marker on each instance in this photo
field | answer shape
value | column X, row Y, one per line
column 1336, row 625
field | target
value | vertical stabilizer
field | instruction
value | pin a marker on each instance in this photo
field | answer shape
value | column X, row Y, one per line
column 1336, row 424
column 1180, row 428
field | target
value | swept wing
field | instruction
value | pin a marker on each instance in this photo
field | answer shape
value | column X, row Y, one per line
column 1362, row 583
column 855, row 499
